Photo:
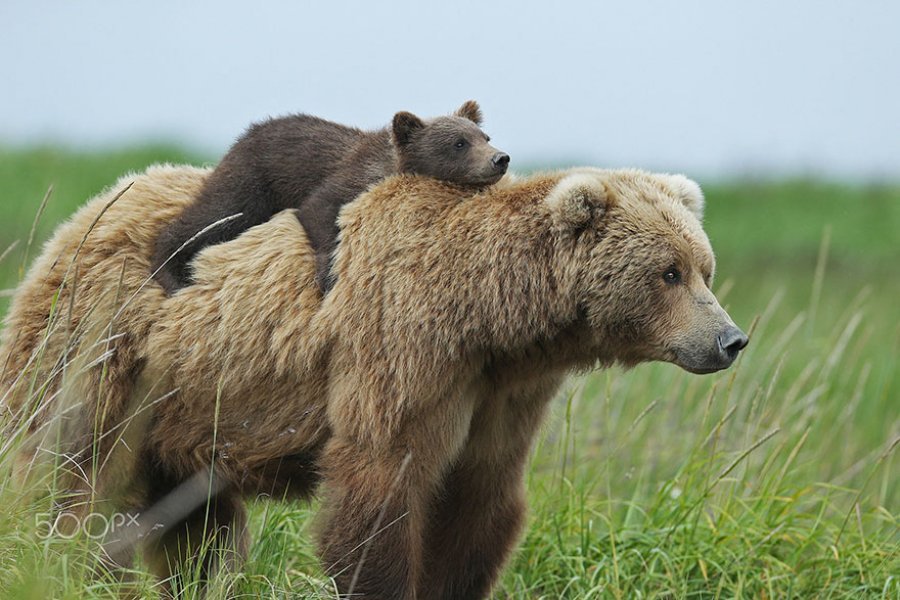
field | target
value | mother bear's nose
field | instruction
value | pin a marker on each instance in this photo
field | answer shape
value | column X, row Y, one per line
column 731, row 341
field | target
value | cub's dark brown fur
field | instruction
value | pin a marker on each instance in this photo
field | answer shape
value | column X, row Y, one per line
column 317, row 166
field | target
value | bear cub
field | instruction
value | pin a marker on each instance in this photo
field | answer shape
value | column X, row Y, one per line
column 317, row 166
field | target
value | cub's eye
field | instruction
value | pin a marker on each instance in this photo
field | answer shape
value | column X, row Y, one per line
column 672, row 276
column 460, row 143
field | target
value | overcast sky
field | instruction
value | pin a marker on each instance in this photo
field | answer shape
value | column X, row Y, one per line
column 713, row 88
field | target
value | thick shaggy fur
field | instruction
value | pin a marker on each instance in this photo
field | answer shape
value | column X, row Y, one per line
column 71, row 345
column 413, row 391
column 317, row 166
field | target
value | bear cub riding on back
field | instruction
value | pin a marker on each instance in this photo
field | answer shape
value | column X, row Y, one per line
column 316, row 166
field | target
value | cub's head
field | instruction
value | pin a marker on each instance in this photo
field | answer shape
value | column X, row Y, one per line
column 646, row 269
column 451, row 148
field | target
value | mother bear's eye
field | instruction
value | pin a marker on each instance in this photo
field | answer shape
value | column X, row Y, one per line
column 460, row 144
column 672, row 276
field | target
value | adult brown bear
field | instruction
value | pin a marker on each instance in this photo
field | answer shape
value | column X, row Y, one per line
column 412, row 391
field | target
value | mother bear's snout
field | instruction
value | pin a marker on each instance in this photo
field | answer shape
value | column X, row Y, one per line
column 731, row 341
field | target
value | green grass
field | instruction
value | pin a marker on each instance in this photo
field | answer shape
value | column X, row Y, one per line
column 777, row 478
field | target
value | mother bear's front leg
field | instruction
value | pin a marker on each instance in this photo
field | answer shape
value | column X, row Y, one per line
column 379, row 492
column 481, row 510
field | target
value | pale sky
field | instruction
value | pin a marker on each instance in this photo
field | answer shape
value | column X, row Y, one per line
column 715, row 88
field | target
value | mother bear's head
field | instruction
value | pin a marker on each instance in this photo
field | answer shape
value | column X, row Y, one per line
column 644, row 281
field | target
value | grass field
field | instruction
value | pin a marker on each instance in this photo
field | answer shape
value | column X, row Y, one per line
column 775, row 479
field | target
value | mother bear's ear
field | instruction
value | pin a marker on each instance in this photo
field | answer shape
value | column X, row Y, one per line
column 576, row 200
column 689, row 192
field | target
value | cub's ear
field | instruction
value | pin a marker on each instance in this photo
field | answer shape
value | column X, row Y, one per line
column 576, row 200
column 405, row 124
column 470, row 110
column 689, row 192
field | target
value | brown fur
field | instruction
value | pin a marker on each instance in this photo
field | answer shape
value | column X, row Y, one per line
column 50, row 347
column 415, row 388
column 317, row 166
